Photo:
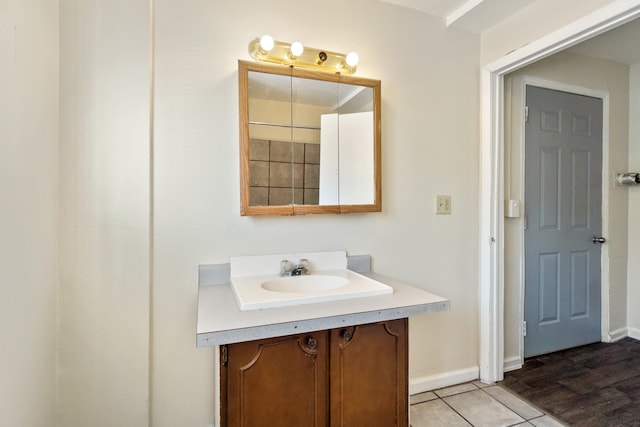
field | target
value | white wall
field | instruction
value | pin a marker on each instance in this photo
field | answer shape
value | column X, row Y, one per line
column 127, row 331
column 28, row 216
column 104, row 294
column 430, row 90
column 532, row 23
column 633, row 283
column 575, row 70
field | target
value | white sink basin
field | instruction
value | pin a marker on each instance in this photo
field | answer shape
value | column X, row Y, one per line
column 311, row 283
column 256, row 292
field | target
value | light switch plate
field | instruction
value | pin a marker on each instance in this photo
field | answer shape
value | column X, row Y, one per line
column 443, row 204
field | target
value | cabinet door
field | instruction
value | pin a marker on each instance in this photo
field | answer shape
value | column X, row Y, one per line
column 369, row 375
column 276, row 382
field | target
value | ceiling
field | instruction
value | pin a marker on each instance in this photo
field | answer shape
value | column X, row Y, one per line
column 621, row 44
column 470, row 15
column 441, row 8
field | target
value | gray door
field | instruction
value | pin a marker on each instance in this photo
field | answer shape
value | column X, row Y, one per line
column 563, row 199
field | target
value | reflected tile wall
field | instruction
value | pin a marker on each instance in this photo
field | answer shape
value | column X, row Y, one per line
column 272, row 172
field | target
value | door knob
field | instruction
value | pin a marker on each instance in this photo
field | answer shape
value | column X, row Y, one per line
column 598, row 240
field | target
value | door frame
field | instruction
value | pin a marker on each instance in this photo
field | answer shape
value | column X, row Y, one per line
column 491, row 237
column 604, row 253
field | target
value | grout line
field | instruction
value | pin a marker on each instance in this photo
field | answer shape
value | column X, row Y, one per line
column 453, row 409
column 528, row 402
column 525, row 420
column 491, row 397
column 457, row 394
column 505, row 405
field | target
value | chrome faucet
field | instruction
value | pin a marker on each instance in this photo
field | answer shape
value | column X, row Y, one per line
column 301, row 268
column 288, row 269
column 285, row 268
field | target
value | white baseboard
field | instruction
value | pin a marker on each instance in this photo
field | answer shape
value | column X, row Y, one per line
column 621, row 333
column 633, row 333
column 445, row 379
column 512, row 363
column 618, row 334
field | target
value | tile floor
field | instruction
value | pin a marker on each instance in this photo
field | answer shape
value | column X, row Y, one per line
column 475, row 404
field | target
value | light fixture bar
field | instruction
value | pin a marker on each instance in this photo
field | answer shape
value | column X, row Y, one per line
column 302, row 56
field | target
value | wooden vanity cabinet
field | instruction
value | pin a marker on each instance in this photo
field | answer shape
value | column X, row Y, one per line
column 352, row 376
column 275, row 382
column 369, row 375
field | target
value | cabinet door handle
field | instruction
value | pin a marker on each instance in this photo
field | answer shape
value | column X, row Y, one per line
column 312, row 343
column 346, row 335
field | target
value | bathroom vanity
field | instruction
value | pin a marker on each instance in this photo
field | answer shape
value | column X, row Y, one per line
column 351, row 376
column 342, row 362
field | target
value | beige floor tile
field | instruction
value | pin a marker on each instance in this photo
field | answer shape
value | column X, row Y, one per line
column 512, row 402
column 546, row 421
column 480, row 384
column 456, row 389
column 435, row 413
column 422, row 397
column 481, row 410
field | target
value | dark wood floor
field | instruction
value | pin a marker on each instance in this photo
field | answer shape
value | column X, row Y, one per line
column 593, row 385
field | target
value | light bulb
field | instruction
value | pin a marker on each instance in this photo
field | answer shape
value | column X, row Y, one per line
column 352, row 59
column 266, row 43
column 296, row 49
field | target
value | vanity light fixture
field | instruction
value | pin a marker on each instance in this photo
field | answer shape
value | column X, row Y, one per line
column 266, row 49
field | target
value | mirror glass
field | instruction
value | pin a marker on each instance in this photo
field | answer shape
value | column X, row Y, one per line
column 310, row 141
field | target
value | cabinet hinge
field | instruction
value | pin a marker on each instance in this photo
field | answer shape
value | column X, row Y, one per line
column 526, row 113
column 524, row 328
column 224, row 355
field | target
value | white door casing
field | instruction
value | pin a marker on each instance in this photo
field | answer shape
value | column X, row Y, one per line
column 491, row 239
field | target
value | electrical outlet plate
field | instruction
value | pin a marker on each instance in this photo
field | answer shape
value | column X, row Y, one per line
column 443, row 204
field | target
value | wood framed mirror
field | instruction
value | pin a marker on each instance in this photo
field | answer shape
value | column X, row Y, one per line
column 310, row 141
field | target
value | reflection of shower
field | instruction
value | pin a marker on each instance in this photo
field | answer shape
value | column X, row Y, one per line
column 629, row 178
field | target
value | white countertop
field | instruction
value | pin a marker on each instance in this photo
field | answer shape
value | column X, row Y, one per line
column 220, row 320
